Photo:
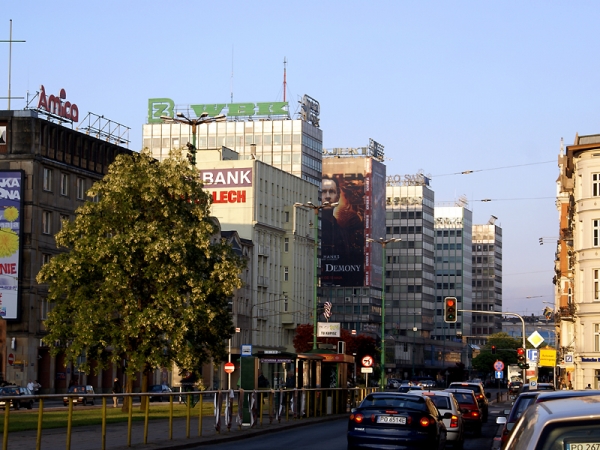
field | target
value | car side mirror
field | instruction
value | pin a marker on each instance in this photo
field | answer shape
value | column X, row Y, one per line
column 488, row 395
column 501, row 420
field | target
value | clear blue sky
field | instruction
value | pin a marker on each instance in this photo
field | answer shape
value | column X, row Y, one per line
column 444, row 86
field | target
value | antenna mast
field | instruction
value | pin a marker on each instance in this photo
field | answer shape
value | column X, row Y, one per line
column 10, row 42
column 232, row 74
column 284, row 77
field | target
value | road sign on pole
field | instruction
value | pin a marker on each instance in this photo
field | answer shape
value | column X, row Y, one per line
column 499, row 366
column 367, row 361
column 229, row 367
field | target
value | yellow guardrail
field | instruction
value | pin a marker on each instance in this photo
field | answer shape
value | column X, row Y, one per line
column 306, row 401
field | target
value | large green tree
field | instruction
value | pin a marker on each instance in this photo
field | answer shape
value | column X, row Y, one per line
column 506, row 351
column 143, row 276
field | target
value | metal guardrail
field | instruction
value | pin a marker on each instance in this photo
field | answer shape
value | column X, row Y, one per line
column 293, row 404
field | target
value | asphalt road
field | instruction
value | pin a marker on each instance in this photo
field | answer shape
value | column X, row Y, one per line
column 332, row 436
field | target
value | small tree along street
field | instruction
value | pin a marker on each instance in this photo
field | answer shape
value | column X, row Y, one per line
column 143, row 277
column 506, row 351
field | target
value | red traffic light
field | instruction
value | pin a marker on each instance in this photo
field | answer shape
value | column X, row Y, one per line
column 520, row 351
column 493, row 349
column 450, row 302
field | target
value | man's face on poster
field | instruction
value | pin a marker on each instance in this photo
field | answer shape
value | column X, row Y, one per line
column 330, row 191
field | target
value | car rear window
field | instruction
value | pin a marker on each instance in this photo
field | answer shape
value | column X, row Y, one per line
column 415, row 403
column 464, row 398
column 441, row 402
column 473, row 387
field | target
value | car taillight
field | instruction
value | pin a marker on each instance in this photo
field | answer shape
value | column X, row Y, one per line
column 373, row 418
column 454, row 422
column 480, row 396
column 475, row 413
column 358, row 418
column 425, row 421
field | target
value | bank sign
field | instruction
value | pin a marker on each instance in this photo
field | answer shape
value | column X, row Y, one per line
column 225, row 180
column 158, row 107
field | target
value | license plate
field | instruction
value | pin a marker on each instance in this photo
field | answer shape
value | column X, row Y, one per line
column 582, row 446
column 391, row 419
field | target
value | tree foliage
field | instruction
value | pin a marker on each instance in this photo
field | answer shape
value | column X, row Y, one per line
column 143, row 276
column 506, row 351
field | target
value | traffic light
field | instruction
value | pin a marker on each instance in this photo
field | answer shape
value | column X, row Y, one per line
column 493, row 349
column 521, row 358
column 450, row 310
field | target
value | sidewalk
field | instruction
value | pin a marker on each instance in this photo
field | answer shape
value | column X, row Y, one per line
column 90, row 437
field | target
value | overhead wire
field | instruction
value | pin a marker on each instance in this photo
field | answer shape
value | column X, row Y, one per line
column 468, row 172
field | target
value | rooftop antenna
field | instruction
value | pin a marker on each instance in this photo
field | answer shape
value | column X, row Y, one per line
column 10, row 41
column 232, row 74
column 284, row 77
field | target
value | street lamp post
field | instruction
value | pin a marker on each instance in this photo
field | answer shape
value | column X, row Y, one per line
column 383, row 244
column 316, row 209
column 204, row 118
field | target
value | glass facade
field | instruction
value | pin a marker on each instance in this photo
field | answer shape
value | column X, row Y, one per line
column 294, row 146
column 487, row 280
column 453, row 229
column 410, row 289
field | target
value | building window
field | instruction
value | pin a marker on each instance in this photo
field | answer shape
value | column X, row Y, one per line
column 286, row 245
column 80, row 188
column 596, row 184
column 286, row 304
column 46, row 257
column 46, row 222
column 287, row 216
column 44, row 309
column 596, row 231
column 286, row 273
column 47, row 180
column 63, row 218
column 597, row 337
column 64, row 184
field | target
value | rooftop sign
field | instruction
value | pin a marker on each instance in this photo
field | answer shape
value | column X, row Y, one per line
column 57, row 106
column 158, row 107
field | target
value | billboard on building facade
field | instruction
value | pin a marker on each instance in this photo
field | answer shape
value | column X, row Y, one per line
column 376, row 223
column 11, row 213
column 343, row 227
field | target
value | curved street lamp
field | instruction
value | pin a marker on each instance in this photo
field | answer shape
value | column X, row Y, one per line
column 204, row 118
column 383, row 243
column 316, row 209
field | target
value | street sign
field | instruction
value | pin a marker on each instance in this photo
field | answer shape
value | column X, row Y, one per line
column 536, row 339
column 499, row 374
column 533, row 384
column 568, row 358
column 367, row 361
column 366, row 370
column 229, row 367
column 11, row 359
column 499, row 366
column 533, row 355
column 246, row 349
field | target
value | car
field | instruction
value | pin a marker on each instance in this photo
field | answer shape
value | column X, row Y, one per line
column 540, row 387
column 565, row 424
column 12, row 390
column 392, row 383
column 514, row 386
column 446, row 402
column 480, row 394
column 405, row 388
column 84, row 395
column 528, row 398
column 393, row 420
column 519, row 406
column 159, row 389
column 469, row 408
column 427, row 383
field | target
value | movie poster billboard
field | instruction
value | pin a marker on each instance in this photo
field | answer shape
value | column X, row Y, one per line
column 343, row 227
column 11, row 214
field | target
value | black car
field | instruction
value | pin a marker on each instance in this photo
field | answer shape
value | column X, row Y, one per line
column 159, row 389
column 86, row 391
column 394, row 420
column 480, row 394
column 26, row 402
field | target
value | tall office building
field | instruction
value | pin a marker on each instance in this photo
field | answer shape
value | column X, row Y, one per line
column 410, row 273
column 487, row 280
column 351, row 267
column 453, row 269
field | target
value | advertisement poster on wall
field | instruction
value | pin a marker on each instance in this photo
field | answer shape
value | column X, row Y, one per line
column 343, row 226
column 11, row 213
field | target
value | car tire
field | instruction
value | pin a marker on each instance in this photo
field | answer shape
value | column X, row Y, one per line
column 84, row 402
